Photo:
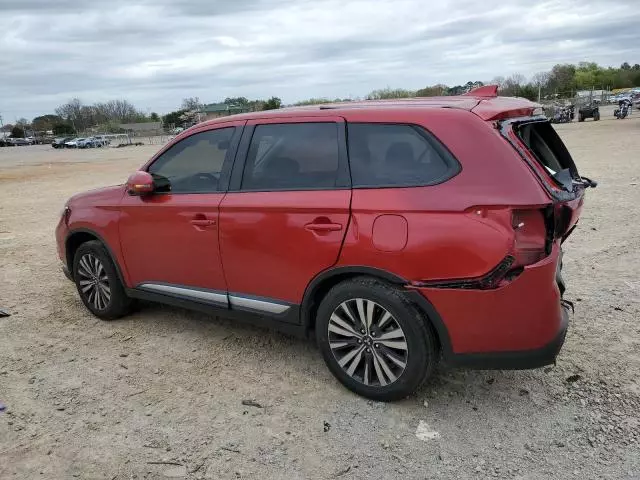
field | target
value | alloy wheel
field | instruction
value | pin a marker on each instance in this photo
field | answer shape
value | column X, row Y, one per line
column 94, row 282
column 368, row 342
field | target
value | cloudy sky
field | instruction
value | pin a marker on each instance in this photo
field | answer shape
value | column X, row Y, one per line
column 156, row 52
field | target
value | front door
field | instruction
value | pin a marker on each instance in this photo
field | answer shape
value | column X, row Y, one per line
column 287, row 210
column 169, row 239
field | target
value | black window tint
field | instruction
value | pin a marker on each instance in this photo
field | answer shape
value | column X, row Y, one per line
column 396, row 155
column 194, row 164
column 292, row 156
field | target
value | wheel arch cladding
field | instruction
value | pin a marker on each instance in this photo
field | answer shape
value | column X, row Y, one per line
column 76, row 238
column 73, row 242
column 321, row 284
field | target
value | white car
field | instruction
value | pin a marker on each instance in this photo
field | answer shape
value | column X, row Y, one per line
column 73, row 143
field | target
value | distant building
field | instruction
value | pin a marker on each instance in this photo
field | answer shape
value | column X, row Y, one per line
column 142, row 128
column 216, row 110
column 595, row 93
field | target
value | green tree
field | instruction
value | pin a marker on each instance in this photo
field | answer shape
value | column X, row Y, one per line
column 237, row 101
column 173, row 118
column 154, row 117
column 387, row 93
column 45, row 122
column 562, row 79
column 529, row 91
column 273, row 103
column 17, row 132
column 63, row 129
column 433, row 91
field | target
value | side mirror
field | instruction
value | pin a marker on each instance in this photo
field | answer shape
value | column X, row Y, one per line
column 140, row 183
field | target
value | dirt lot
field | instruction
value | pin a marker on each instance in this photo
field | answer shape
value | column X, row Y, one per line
column 159, row 394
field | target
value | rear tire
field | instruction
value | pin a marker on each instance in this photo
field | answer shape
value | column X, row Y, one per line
column 389, row 358
column 98, row 283
column 581, row 118
column 596, row 116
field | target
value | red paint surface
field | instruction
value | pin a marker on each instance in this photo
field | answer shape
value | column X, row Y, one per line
column 161, row 244
column 266, row 249
column 525, row 314
column 390, row 233
column 261, row 243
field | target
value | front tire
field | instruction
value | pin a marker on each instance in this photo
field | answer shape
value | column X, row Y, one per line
column 374, row 341
column 98, row 283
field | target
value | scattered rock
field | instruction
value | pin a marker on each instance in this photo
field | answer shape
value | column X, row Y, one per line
column 326, row 426
column 425, row 433
column 523, row 392
column 573, row 378
column 251, row 403
column 491, row 381
column 339, row 473
column 124, row 355
column 618, row 309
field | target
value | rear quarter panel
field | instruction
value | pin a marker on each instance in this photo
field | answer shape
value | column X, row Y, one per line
column 446, row 238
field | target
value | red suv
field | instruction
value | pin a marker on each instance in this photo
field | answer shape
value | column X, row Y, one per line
column 398, row 232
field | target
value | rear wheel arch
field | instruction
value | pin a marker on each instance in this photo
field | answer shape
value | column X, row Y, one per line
column 325, row 281
column 80, row 236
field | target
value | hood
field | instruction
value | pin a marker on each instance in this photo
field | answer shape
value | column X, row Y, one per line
column 104, row 195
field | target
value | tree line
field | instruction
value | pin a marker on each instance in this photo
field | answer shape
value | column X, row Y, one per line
column 562, row 81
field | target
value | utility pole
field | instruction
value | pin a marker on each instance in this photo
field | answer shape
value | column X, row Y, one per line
column 539, row 91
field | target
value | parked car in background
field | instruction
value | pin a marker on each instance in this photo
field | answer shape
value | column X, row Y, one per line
column 101, row 140
column 399, row 233
column 59, row 142
column 19, row 142
column 73, row 143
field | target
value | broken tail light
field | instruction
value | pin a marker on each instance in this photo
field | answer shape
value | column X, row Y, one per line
column 531, row 237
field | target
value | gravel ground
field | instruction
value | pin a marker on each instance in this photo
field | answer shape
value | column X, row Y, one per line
column 168, row 393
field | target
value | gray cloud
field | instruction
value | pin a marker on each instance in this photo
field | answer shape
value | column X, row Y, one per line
column 155, row 52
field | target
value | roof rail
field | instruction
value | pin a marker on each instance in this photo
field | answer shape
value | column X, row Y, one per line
column 487, row 91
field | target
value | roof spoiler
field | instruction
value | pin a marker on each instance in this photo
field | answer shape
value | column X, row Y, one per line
column 486, row 91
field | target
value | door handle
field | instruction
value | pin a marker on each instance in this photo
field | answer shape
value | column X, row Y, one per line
column 323, row 227
column 201, row 222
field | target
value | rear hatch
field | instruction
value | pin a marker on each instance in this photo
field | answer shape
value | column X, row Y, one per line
column 541, row 148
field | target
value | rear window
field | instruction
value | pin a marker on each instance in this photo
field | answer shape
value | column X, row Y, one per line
column 546, row 146
column 292, row 156
column 389, row 155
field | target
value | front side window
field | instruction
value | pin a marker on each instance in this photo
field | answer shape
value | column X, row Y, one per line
column 292, row 156
column 194, row 164
column 387, row 155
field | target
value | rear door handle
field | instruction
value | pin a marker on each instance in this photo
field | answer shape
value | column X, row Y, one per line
column 199, row 222
column 323, row 227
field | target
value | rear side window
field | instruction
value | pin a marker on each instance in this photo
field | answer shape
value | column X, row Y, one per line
column 292, row 156
column 385, row 155
column 547, row 147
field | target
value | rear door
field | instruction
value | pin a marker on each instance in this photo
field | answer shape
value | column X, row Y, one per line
column 287, row 210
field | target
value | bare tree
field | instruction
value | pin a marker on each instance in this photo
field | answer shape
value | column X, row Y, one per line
column 191, row 103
